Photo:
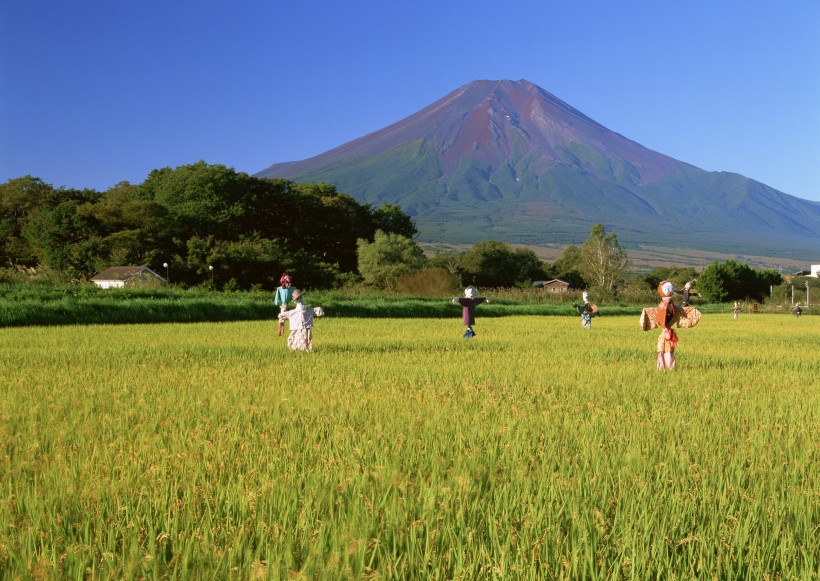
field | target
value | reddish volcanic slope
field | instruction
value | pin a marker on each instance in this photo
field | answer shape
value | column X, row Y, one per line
column 494, row 122
column 506, row 160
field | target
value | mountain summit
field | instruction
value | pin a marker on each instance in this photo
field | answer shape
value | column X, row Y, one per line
column 507, row 160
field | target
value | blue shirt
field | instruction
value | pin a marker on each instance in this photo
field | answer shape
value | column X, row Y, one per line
column 283, row 295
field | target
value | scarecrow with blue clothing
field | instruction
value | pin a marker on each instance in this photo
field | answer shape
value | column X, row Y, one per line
column 587, row 311
column 284, row 295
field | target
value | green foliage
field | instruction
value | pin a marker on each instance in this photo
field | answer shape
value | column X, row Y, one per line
column 38, row 223
column 603, row 262
column 732, row 280
column 387, row 258
column 25, row 304
column 54, row 232
column 192, row 217
column 568, row 267
column 390, row 218
column 496, row 264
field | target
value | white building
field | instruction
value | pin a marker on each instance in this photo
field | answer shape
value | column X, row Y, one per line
column 815, row 270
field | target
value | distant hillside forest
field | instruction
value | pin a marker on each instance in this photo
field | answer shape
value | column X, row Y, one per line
column 190, row 218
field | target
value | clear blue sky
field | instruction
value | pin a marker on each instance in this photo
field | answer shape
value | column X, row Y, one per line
column 94, row 92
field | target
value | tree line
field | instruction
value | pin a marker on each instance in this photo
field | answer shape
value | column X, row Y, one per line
column 600, row 264
column 190, row 218
column 250, row 230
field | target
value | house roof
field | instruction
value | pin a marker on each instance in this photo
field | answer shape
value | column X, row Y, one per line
column 123, row 273
column 546, row 282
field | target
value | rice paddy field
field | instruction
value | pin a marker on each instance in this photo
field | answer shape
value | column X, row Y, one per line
column 399, row 450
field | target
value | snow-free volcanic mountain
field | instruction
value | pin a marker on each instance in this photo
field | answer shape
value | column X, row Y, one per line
column 506, row 160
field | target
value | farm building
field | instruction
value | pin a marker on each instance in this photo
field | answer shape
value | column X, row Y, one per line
column 120, row 276
column 555, row 285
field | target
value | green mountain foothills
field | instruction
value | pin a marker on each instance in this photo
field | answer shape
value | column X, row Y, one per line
column 508, row 161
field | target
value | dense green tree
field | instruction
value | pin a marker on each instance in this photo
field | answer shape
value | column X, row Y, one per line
column 191, row 217
column 27, row 199
column 603, row 261
column 496, row 264
column 201, row 199
column 732, row 280
column 713, row 283
column 331, row 224
column 388, row 257
column 391, row 218
column 53, row 232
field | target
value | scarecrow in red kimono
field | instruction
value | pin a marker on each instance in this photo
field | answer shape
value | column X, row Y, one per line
column 665, row 316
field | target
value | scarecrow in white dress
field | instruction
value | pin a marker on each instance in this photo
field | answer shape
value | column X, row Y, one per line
column 665, row 315
column 468, row 304
column 587, row 311
column 301, row 323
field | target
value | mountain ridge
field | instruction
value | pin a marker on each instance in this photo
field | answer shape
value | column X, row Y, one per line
column 508, row 160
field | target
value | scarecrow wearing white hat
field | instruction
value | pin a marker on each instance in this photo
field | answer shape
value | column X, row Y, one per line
column 687, row 292
column 283, row 296
column 587, row 311
column 665, row 315
column 468, row 303
column 301, row 323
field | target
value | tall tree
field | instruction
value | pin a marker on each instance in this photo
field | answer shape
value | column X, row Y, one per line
column 20, row 200
column 388, row 257
column 603, row 261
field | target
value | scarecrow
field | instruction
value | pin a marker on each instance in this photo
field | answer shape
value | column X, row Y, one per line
column 301, row 323
column 735, row 310
column 587, row 311
column 468, row 304
column 797, row 311
column 283, row 297
column 687, row 290
column 665, row 315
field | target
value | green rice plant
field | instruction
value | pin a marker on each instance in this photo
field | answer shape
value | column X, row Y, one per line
column 27, row 305
column 398, row 449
